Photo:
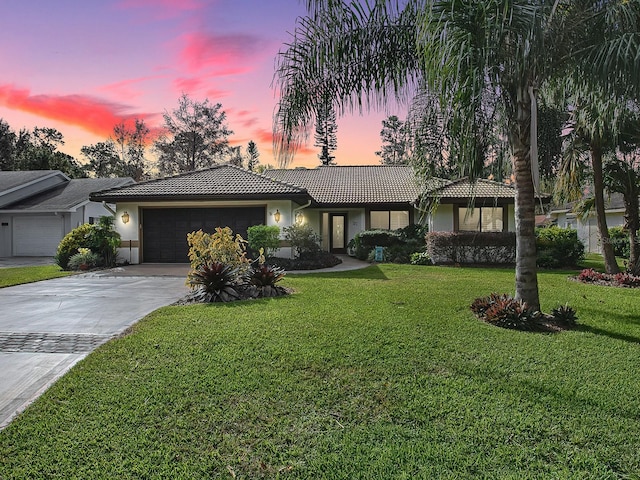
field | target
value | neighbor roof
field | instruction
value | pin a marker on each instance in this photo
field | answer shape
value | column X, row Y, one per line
column 66, row 197
column 220, row 182
column 354, row 185
column 11, row 180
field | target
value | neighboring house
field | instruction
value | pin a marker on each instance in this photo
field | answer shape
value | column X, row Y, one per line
column 587, row 228
column 154, row 217
column 39, row 207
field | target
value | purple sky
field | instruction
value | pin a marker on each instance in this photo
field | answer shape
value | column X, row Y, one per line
column 81, row 66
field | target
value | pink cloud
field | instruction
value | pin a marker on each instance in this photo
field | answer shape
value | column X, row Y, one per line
column 226, row 54
column 192, row 85
column 92, row 114
column 125, row 88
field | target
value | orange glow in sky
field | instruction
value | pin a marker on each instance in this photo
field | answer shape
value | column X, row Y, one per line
column 82, row 67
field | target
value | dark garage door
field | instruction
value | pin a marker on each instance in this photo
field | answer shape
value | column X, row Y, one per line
column 165, row 229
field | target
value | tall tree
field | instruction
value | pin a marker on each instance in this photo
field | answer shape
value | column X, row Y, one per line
column 395, row 142
column 196, row 136
column 38, row 150
column 7, row 146
column 122, row 154
column 326, row 130
column 253, row 156
column 235, row 156
column 467, row 53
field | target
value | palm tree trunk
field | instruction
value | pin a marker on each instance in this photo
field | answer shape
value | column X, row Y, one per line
column 610, row 265
column 526, row 271
column 632, row 223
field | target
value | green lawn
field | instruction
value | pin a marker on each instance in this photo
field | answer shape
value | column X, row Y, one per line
column 382, row 373
column 19, row 275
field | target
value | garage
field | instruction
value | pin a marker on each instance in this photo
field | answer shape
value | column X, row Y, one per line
column 165, row 230
column 37, row 236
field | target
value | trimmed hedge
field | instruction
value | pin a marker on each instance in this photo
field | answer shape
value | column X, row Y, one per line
column 471, row 247
column 558, row 247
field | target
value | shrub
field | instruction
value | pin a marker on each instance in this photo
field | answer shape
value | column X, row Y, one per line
column 471, row 247
column 265, row 237
column 589, row 275
column 83, row 260
column 558, row 247
column 71, row 242
column 261, row 281
column 320, row 260
column 104, row 240
column 214, row 282
column 504, row 311
column 398, row 244
column 619, row 238
column 304, row 242
column 626, row 280
column 218, row 247
column 565, row 314
column 413, row 232
column 420, row 258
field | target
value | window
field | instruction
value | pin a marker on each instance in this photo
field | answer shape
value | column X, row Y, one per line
column 480, row 219
column 388, row 219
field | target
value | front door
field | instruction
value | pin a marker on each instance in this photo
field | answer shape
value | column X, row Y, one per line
column 338, row 228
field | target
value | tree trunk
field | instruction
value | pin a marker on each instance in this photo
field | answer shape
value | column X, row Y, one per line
column 632, row 223
column 526, row 270
column 610, row 265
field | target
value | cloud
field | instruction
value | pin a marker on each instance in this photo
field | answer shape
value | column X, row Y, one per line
column 192, row 85
column 126, row 88
column 224, row 54
column 92, row 114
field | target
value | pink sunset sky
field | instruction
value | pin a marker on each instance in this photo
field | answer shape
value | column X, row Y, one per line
column 82, row 66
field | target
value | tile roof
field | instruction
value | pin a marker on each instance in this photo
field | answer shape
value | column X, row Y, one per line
column 225, row 181
column 480, row 188
column 67, row 196
column 354, row 185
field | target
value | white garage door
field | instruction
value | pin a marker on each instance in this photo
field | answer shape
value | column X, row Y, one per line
column 37, row 236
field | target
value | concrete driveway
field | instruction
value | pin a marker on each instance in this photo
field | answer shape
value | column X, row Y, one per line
column 46, row 327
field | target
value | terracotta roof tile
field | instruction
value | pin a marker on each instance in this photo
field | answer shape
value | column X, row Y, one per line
column 354, row 185
column 220, row 181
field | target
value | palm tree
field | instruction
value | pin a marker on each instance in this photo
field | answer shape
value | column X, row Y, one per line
column 467, row 53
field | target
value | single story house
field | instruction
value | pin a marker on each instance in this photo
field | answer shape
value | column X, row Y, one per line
column 587, row 227
column 154, row 217
column 39, row 207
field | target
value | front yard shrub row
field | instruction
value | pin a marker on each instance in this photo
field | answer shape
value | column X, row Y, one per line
column 556, row 247
column 472, row 247
column 308, row 255
column 93, row 245
column 399, row 245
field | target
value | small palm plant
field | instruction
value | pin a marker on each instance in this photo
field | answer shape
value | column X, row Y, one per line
column 214, row 282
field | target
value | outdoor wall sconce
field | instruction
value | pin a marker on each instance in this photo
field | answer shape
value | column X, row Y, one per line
column 276, row 216
column 299, row 218
column 125, row 218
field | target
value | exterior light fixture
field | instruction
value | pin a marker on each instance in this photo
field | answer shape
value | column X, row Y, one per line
column 276, row 216
column 299, row 218
column 125, row 218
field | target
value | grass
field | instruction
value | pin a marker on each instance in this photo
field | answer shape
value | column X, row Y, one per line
column 378, row 373
column 19, row 275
